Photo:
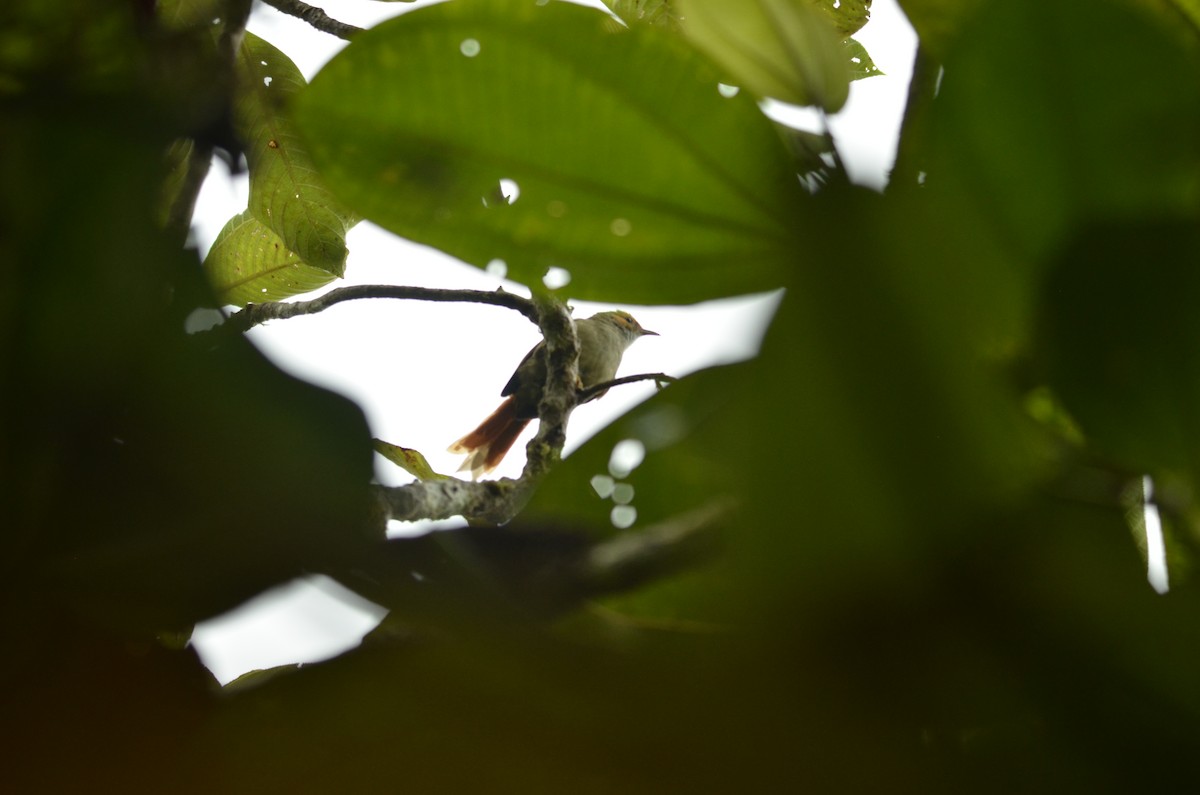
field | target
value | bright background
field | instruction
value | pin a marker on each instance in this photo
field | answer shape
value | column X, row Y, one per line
column 426, row 373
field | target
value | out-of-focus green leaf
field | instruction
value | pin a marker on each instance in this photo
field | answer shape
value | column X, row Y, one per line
column 937, row 22
column 648, row 12
column 411, row 461
column 286, row 194
column 1047, row 143
column 188, row 14
column 1120, row 339
column 208, row 474
column 783, row 49
column 631, row 170
column 847, row 16
column 250, row 263
column 1190, row 9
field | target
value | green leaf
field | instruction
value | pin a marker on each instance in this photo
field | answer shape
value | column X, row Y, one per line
column 647, row 189
column 1120, row 341
column 847, row 16
column 781, row 49
column 1052, row 140
column 286, row 194
column 249, row 263
column 187, row 14
column 937, row 22
column 646, row 12
column 411, row 461
column 861, row 64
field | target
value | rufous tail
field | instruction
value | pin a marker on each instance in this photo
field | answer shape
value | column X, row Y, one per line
column 486, row 445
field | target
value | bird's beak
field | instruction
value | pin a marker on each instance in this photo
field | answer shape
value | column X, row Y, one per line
column 646, row 333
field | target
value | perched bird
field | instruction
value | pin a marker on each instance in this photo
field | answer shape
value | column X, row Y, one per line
column 603, row 339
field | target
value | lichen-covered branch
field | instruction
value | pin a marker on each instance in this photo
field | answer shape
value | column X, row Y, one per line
column 256, row 314
column 315, row 17
column 560, row 395
column 488, row 501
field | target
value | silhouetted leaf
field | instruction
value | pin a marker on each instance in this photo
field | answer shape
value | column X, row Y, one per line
column 651, row 190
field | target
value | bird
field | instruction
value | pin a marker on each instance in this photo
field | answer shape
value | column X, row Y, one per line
column 603, row 340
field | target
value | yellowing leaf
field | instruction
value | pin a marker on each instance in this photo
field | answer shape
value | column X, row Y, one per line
column 249, row 263
column 411, row 461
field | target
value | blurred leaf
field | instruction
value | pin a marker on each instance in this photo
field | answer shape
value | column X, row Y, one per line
column 847, row 16
column 411, row 461
column 1120, row 341
column 185, row 14
column 1190, row 9
column 249, row 263
column 783, row 49
column 207, row 474
column 648, row 12
column 649, row 190
column 1047, row 143
column 937, row 22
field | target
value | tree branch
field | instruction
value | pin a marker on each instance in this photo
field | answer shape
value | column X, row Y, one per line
column 658, row 378
column 559, row 395
column 498, row 501
column 491, row 501
column 315, row 17
column 255, row 314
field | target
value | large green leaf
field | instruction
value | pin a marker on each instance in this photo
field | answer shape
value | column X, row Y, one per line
column 293, row 224
column 848, row 16
column 784, row 49
column 937, row 22
column 1067, row 125
column 1120, row 340
column 646, row 12
column 633, row 172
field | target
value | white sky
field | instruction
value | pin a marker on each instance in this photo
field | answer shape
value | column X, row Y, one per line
column 427, row 373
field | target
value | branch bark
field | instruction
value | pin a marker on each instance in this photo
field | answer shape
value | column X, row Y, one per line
column 560, row 395
column 315, row 17
column 256, row 314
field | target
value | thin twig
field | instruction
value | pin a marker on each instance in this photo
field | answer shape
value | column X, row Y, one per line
column 658, row 378
column 315, row 17
column 255, row 314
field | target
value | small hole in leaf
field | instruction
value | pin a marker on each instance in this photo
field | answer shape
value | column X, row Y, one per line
column 603, row 486
column 469, row 47
column 727, row 91
column 620, row 227
column 510, row 190
column 623, row 516
column 497, row 268
column 556, row 277
column 627, row 454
